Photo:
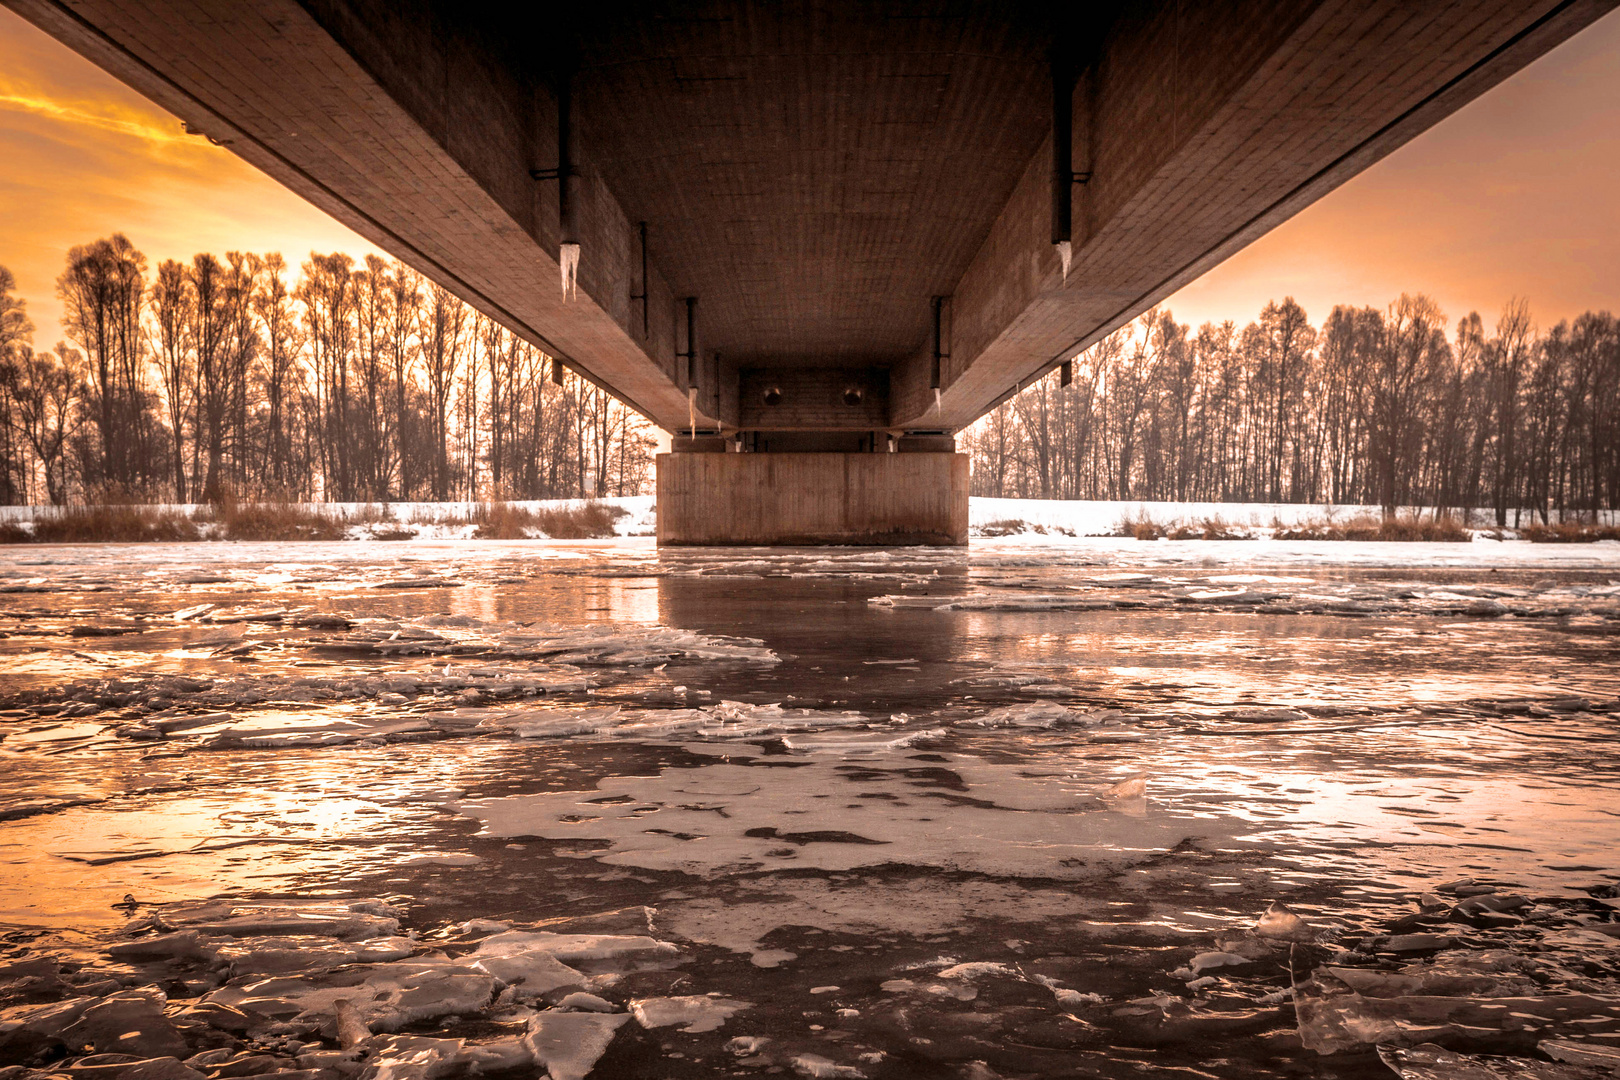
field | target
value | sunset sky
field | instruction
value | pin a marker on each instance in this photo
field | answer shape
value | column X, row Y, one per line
column 1516, row 195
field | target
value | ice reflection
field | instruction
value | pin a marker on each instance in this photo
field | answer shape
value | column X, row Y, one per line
column 912, row 813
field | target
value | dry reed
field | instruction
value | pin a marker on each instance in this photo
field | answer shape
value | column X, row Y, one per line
column 1570, row 532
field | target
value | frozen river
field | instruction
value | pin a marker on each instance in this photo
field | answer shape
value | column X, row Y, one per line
column 1075, row 808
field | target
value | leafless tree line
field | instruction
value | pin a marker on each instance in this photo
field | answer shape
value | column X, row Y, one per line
column 1374, row 407
column 235, row 378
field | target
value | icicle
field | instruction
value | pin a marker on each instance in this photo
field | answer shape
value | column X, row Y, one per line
column 936, row 399
column 568, row 258
column 1065, row 254
column 691, row 411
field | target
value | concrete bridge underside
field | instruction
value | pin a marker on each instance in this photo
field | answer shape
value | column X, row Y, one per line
column 810, row 231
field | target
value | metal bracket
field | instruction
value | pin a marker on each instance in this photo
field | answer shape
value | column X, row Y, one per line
column 691, row 354
column 642, row 295
column 1080, row 178
column 937, row 369
column 545, row 174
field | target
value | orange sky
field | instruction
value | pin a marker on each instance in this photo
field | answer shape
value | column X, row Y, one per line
column 83, row 156
column 1516, row 195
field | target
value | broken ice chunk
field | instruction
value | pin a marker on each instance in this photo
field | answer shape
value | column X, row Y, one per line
column 979, row 969
column 584, row 1002
column 569, row 1044
column 855, row 742
column 1281, row 924
column 1069, row 999
column 358, row 919
column 441, row 858
column 496, row 1056
column 1334, row 1018
column 693, row 1012
column 1265, row 715
column 484, row 926
column 1582, row 1053
column 1134, row 788
column 411, row 1057
column 1431, row 1062
column 604, row 951
column 554, row 723
column 352, row 1029
column 126, row 1067
column 1410, row 943
column 1038, row 714
column 1210, row 960
column 820, row 1068
column 129, row 1022
column 531, row 972
column 744, row 1045
column 24, row 1024
column 186, row 944
column 386, row 997
column 275, row 955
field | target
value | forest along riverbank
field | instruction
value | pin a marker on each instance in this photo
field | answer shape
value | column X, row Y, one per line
column 1092, row 809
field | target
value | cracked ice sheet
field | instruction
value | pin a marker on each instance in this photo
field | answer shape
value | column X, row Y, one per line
column 949, row 812
column 725, row 720
column 862, row 906
column 590, row 644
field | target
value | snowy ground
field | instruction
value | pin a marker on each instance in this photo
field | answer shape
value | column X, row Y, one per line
column 442, row 809
column 1038, row 520
column 427, row 520
column 21, row 565
column 1100, row 518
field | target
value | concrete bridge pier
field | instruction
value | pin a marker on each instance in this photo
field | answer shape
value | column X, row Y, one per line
column 710, row 492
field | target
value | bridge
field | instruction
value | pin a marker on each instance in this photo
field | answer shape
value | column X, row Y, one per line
column 814, row 239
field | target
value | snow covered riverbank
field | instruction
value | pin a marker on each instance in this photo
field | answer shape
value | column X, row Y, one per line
column 1041, row 521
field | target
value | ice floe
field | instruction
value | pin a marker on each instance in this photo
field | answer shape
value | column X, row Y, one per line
column 829, row 815
column 693, row 1013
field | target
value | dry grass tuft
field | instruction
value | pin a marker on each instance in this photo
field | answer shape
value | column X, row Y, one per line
column 1209, row 528
column 1143, row 527
column 586, row 521
column 1139, row 524
column 106, row 525
column 272, row 521
column 1570, row 532
column 1445, row 530
column 233, row 520
column 1006, row 527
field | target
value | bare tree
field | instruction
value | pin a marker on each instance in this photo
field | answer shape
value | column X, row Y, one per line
column 443, row 325
column 101, row 292
column 173, row 319
column 48, row 393
column 404, row 306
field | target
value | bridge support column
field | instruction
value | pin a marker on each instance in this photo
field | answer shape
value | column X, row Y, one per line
column 812, row 498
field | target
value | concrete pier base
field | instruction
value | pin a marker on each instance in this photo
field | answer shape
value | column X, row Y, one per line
column 825, row 498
